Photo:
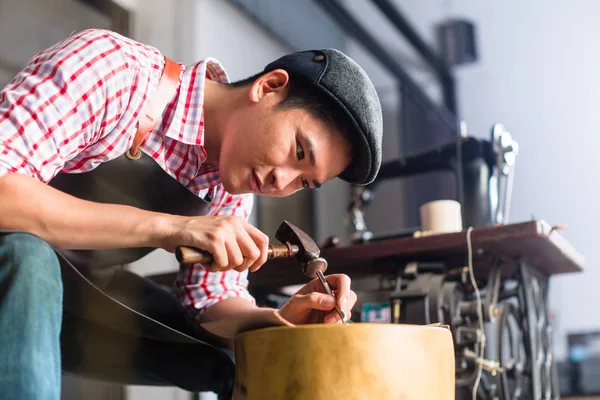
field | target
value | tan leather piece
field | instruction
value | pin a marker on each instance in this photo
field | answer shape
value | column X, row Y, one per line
column 358, row 361
column 230, row 327
column 167, row 87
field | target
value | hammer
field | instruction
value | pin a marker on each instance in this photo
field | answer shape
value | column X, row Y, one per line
column 309, row 257
column 296, row 243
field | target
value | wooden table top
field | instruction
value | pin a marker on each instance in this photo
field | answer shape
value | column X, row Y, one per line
column 535, row 243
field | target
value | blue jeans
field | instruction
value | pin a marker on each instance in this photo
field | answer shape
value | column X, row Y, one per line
column 31, row 294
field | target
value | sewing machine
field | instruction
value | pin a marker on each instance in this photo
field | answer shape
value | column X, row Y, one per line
column 484, row 171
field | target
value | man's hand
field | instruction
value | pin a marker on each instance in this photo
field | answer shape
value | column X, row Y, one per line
column 234, row 243
column 311, row 304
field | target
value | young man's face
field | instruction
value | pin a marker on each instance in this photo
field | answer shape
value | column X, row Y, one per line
column 274, row 152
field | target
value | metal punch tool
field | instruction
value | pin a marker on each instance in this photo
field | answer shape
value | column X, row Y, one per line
column 343, row 316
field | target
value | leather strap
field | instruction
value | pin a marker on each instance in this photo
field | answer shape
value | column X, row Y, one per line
column 167, row 86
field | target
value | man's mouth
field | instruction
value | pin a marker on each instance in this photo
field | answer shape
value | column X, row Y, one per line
column 256, row 184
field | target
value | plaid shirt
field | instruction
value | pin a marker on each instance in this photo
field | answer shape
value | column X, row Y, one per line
column 76, row 104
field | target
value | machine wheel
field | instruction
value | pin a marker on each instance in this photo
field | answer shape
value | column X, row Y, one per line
column 511, row 355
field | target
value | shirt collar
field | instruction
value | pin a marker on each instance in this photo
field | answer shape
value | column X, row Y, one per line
column 185, row 122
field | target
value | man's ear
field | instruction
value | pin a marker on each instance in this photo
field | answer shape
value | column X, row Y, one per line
column 271, row 84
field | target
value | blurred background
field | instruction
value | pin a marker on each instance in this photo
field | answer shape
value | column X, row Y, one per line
column 442, row 68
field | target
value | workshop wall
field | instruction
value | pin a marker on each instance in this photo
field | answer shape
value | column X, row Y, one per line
column 538, row 75
column 29, row 26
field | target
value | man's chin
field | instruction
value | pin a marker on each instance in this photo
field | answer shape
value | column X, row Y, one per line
column 232, row 188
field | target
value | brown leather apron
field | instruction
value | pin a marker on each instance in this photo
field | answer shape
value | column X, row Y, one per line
column 109, row 310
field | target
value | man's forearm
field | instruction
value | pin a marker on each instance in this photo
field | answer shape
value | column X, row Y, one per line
column 66, row 221
column 232, row 307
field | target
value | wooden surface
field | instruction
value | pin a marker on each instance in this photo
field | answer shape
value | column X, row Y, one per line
column 532, row 242
column 334, row 361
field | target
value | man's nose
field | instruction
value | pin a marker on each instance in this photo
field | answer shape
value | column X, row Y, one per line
column 284, row 177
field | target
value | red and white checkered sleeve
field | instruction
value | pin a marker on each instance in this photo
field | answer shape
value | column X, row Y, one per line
column 64, row 99
column 196, row 288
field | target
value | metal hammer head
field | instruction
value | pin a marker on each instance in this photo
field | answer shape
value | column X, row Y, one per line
column 308, row 254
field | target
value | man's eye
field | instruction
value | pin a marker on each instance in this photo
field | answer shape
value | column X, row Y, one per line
column 305, row 184
column 299, row 151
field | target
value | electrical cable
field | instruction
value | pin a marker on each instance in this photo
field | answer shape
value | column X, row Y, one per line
column 479, row 313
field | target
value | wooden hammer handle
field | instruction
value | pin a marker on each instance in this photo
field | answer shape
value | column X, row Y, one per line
column 191, row 255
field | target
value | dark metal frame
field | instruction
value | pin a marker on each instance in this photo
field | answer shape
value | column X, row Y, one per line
column 439, row 65
column 339, row 14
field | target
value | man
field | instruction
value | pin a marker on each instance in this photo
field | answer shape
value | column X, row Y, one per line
column 73, row 126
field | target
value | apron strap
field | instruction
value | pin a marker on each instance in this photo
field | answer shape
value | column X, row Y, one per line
column 167, row 86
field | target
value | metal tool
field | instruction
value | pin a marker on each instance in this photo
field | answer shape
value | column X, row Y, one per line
column 342, row 314
column 309, row 257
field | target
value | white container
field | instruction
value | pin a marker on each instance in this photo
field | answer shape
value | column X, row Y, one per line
column 441, row 216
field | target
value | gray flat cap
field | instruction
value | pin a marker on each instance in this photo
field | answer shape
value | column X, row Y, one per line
column 344, row 81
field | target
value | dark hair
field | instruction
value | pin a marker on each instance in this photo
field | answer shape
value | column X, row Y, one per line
column 304, row 95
